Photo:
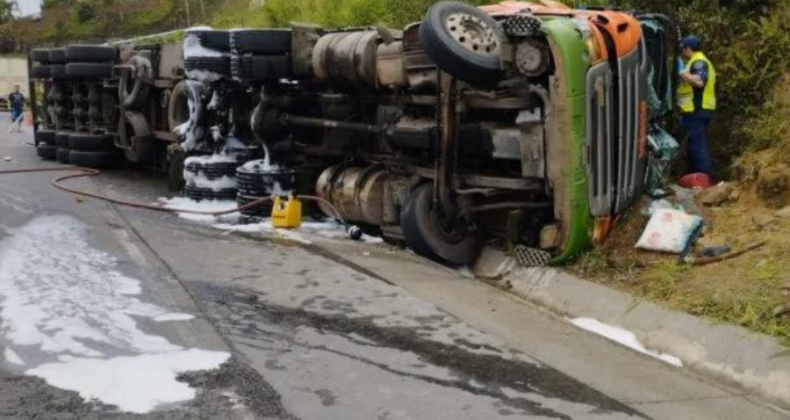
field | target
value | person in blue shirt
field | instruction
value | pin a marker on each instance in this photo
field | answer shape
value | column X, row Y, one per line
column 16, row 101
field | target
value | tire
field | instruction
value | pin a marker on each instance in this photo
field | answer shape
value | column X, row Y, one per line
column 137, row 125
column 178, row 106
column 93, row 143
column 212, row 171
column 89, row 70
column 424, row 236
column 262, row 68
column 217, row 65
column 57, row 56
column 262, row 211
column 93, row 159
column 47, row 152
column 46, row 137
column 213, row 40
column 199, row 194
column 58, row 72
column 178, row 111
column 40, row 71
column 134, row 89
column 261, row 41
column 175, row 170
column 438, row 39
column 90, row 54
column 39, row 55
column 257, row 183
column 62, row 139
column 63, row 155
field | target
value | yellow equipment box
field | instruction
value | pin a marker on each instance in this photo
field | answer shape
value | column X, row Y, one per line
column 287, row 213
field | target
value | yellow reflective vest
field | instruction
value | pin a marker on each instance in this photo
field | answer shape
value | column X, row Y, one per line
column 685, row 93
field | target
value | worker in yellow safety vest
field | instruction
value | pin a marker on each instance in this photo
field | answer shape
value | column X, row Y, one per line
column 696, row 96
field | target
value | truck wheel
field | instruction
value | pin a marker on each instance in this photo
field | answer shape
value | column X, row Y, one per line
column 58, row 72
column 40, row 55
column 261, row 41
column 463, row 41
column 213, row 40
column 134, row 88
column 57, row 56
column 89, row 70
column 47, row 152
column 217, row 65
column 82, row 142
column 186, row 105
column 62, row 139
column 137, row 125
column 211, row 170
column 46, row 137
column 175, row 169
column 262, row 68
column 40, row 71
column 63, row 155
column 424, row 232
column 90, row 54
column 93, row 159
column 199, row 193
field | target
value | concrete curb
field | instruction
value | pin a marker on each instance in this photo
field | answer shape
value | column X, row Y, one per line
column 735, row 355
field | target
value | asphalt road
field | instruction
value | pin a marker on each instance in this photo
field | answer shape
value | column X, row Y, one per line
column 118, row 313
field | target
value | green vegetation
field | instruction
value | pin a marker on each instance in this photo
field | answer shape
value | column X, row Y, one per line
column 7, row 10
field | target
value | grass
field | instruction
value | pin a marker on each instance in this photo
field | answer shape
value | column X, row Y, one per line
column 744, row 291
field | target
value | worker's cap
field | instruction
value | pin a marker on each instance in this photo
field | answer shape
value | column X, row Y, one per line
column 693, row 42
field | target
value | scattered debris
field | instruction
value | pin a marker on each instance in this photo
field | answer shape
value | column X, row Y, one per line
column 714, row 251
column 716, row 196
column 549, row 237
column 669, row 231
column 725, row 257
column 662, row 204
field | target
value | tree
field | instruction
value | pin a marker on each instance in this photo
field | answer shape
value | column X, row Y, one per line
column 48, row 4
column 85, row 12
column 7, row 10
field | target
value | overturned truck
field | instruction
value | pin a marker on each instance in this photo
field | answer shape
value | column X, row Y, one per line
column 518, row 121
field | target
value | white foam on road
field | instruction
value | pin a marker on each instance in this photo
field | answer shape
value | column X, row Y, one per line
column 65, row 298
column 173, row 317
column 136, row 384
column 12, row 357
column 183, row 203
column 306, row 233
column 624, row 337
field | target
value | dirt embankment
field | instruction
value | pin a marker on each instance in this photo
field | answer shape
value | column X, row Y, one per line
column 753, row 289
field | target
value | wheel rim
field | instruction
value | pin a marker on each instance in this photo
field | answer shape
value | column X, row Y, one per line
column 449, row 234
column 472, row 33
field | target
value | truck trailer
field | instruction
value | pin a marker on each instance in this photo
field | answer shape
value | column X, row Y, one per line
column 520, row 122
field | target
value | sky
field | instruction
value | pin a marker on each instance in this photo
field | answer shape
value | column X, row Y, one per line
column 29, row 7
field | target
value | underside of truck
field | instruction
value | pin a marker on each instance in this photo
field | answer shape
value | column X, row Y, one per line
column 518, row 123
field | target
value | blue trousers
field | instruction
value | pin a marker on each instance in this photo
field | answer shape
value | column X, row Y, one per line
column 15, row 114
column 696, row 128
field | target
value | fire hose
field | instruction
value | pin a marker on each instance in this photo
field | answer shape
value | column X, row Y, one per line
column 353, row 231
column 14, row 123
